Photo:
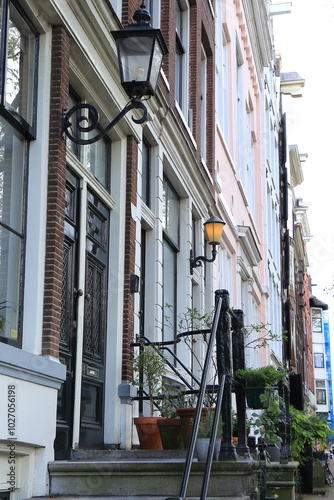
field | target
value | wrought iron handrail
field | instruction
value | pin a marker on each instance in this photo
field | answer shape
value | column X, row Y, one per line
column 197, row 417
column 158, row 346
column 163, row 345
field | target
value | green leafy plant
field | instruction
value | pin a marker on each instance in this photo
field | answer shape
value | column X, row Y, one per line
column 153, row 367
column 267, row 421
column 307, row 430
column 206, row 422
column 266, row 376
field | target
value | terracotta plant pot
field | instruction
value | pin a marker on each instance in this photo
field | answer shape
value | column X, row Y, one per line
column 148, row 432
column 187, row 417
column 171, row 433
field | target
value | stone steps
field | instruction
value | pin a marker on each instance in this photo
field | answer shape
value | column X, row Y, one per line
column 152, row 475
column 132, row 498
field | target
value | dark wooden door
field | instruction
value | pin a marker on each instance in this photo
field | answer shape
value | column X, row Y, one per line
column 68, row 320
column 92, row 395
column 83, row 338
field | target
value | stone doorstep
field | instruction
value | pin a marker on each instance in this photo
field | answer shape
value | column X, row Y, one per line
column 128, row 455
column 143, row 497
column 147, row 479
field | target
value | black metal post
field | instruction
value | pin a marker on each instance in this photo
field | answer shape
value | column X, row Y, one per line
column 224, row 365
column 200, row 399
column 239, row 363
column 284, row 425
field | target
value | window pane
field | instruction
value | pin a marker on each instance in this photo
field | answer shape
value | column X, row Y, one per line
column 72, row 146
column 20, row 71
column 180, row 55
column 171, row 213
column 145, row 174
column 316, row 320
column 97, row 156
column 12, row 155
column 319, row 360
column 10, row 257
column 321, row 396
column 179, row 20
column 11, row 177
column 169, row 291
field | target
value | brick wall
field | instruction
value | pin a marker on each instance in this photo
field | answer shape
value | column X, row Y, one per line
column 129, row 253
column 56, row 192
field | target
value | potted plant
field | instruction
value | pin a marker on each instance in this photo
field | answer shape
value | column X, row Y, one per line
column 186, row 407
column 149, row 368
column 267, row 423
column 256, row 381
column 204, row 433
column 170, row 426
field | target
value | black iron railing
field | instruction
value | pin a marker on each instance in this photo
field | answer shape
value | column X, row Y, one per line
column 228, row 333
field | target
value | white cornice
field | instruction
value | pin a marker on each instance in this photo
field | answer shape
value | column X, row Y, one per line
column 249, row 245
column 296, row 170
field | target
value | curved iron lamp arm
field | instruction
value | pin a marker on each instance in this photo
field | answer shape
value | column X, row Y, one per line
column 197, row 261
column 94, row 118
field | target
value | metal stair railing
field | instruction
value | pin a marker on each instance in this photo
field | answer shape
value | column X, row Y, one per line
column 227, row 348
column 197, row 417
column 160, row 346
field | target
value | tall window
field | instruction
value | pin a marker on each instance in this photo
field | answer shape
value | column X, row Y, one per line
column 222, row 72
column 204, row 72
column 146, row 174
column 19, row 55
column 247, row 172
column 171, row 236
column 240, row 106
column 181, row 63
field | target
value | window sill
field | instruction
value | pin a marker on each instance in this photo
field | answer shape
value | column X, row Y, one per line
column 29, row 367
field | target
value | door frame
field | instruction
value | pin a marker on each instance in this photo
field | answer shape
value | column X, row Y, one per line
column 80, row 315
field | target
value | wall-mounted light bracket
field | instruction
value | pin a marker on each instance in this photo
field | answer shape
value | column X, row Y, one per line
column 214, row 229
column 197, row 261
column 75, row 129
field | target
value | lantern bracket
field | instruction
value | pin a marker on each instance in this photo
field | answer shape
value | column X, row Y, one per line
column 197, row 261
column 75, row 130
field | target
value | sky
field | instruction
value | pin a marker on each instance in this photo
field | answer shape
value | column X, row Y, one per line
column 305, row 39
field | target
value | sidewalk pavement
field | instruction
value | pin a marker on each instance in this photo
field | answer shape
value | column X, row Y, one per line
column 327, row 492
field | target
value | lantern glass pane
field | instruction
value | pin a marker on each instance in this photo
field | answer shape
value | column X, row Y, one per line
column 214, row 231
column 135, row 56
column 156, row 64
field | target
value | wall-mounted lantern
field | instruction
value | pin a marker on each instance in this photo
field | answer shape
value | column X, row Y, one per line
column 140, row 50
column 214, row 230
